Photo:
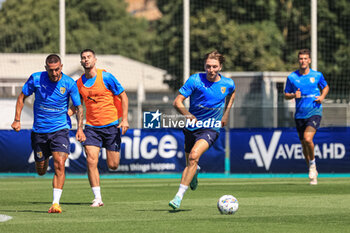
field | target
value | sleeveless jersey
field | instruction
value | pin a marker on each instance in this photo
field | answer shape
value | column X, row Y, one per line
column 102, row 106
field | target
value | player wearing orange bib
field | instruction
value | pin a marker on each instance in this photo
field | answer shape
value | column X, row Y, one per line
column 105, row 101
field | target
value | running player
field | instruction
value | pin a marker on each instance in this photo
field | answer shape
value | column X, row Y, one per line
column 50, row 135
column 101, row 92
column 207, row 92
column 304, row 86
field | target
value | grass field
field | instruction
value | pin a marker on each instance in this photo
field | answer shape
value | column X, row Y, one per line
column 141, row 205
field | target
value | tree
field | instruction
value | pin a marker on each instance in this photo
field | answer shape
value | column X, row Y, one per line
column 105, row 26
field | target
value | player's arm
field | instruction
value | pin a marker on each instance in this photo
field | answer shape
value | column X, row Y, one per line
column 296, row 95
column 323, row 95
column 72, row 110
column 124, row 125
column 180, row 107
column 229, row 104
column 77, row 108
column 80, row 117
column 289, row 91
column 16, row 125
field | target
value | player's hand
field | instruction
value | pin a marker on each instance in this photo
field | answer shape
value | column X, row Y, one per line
column 16, row 125
column 298, row 94
column 191, row 117
column 224, row 120
column 124, row 125
column 71, row 111
column 80, row 136
column 319, row 99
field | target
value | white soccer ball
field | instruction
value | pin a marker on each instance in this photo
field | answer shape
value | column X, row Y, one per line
column 228, row 204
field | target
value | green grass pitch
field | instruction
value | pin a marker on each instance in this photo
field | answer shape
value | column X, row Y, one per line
column 141, row 205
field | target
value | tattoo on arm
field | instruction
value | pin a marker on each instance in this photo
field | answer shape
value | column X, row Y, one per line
column 80, row 116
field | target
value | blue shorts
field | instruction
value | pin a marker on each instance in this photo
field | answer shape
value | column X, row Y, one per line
column 191, row 137
column 107, row 137
column 302, row 124
column 44, row 144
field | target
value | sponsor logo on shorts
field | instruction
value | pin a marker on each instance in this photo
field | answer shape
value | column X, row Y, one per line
column 209, row 136
column 39, row 154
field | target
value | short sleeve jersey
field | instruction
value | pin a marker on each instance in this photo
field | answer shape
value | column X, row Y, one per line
column 51, row 101
column 109, row 80
column 207, row 99
column 310, row 86
column 111, row 83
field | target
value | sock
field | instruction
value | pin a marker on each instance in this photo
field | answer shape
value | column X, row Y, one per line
column 182, row 190
column 312, row 162
column 56, row 195
column 97, row 192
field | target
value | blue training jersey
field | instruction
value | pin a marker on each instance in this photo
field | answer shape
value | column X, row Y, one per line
column 111, row 83
column 51, row 101
column 309, row 85
column 207, row 99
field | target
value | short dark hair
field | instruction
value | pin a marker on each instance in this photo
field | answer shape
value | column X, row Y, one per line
column 215, row 55
column 52, row 58
column 87, row 50
column 304, row 51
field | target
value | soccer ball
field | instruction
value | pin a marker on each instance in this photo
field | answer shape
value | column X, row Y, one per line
column 227, row 204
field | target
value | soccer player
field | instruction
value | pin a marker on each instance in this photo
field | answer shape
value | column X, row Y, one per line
column 304, row 86
column 101, row 92
column 207, row 92
column 50, row 135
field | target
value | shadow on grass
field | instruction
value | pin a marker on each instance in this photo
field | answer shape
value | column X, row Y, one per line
column 25, row 211
column 163, row 210
column 178, row 211
column 63, row 203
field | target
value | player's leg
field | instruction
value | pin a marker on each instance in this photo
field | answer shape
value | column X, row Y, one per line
column 92, row 153
column 197, row 150
column 92, row 147
column 59, row 159
column 113, row 158
column 42, row 152
column 58, row 180
column 112, row 141
column 192, row 158
column 308, row 141
column 301, row 127
column 41, row 167
column 305, row 152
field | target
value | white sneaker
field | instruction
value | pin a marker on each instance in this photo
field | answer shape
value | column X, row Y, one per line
column 97, row 203
column 313, row 181
column 313, row 175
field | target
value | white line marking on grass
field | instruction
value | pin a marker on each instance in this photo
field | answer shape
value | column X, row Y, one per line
column 4, row 218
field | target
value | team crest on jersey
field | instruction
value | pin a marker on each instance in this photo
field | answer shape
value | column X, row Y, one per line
column 223, row 89
column 39, row 154
column 62, row 90
column 312, row 79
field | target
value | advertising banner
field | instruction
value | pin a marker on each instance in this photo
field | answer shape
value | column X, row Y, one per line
column 142, row 150
column 279, row 150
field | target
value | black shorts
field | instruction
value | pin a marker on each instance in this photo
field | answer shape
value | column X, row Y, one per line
column 191, row 137
column 44, row 144
column 302, row 124
column 107, row 137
